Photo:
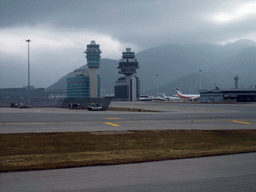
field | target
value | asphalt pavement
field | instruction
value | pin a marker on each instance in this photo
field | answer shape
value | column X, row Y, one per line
column 164, row 116
column 221, row 173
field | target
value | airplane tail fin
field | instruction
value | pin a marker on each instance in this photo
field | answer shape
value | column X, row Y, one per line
column 179, row 91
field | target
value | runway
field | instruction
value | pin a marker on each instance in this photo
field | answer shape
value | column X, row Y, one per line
column 165, row 116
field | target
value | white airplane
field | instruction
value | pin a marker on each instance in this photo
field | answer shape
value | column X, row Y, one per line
column 192, row 97
column 146, row 98
column 158, row 98
column 151, row 98
column 169, row 98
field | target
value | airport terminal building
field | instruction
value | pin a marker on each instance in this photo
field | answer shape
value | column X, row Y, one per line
column 79, row 86
column 233, row 95
column 21, row 93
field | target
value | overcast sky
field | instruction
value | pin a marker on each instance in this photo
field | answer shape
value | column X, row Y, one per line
column 59, row 30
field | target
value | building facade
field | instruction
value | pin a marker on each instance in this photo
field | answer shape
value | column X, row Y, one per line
column 28, row 97
column 78, row 86
column 127, row 88
column 17, row 93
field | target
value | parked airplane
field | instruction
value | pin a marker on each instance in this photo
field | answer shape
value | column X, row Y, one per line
column 169, row 98
column 161, row 97
column 146, row 98
column 158, row 98
column 152, row 98
column 192, row 97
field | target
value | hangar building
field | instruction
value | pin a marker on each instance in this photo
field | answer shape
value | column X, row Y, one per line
column 235, row 95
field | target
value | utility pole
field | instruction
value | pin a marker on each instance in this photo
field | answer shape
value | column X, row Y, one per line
column 200, row 72
column 236, row 81
column 28, row 75
column 156, row 86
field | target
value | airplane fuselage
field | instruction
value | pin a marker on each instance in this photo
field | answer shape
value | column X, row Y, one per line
column 187, row 96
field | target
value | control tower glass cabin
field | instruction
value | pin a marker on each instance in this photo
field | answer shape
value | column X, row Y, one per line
column 128, row 64
column 93, row 55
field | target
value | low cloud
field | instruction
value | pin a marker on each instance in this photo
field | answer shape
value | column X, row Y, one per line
column 60, row 30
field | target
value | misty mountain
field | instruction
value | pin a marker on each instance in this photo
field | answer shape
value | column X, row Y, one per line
column 169, row 66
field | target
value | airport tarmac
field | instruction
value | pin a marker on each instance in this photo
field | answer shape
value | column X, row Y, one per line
column 221, row 173
column 164, row 115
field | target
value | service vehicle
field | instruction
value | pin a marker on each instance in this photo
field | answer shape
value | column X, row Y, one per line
column 95, row 107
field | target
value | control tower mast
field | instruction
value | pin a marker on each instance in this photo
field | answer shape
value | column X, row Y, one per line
column 93, row 62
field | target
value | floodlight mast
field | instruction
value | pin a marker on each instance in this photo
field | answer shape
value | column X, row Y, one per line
column 200, row 73
column 28, row 75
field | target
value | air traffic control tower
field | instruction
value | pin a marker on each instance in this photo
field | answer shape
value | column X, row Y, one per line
column 93, row 62
column 127, row 88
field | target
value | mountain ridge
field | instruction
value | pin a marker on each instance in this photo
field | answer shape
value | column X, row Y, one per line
column 173, row 62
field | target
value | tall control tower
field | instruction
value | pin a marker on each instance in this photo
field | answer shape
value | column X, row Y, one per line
column 127, row 88
column 93, row 62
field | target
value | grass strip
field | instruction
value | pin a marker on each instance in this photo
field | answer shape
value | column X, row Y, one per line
column 41, row 151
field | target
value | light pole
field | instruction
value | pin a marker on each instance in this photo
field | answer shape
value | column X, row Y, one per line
column 28, row 75
column 200, row 72
column 156, row 86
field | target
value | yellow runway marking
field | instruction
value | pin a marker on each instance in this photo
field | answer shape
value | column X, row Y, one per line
column 112, row 118
column 247, row 123
column 108, row 123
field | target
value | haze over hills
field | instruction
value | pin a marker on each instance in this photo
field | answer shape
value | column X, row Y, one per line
column 179, row 65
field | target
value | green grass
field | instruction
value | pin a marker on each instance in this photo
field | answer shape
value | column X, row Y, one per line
column 35, row 151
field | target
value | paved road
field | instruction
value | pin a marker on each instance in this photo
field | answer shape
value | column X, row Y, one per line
column 169, row 116
column 222, row 173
